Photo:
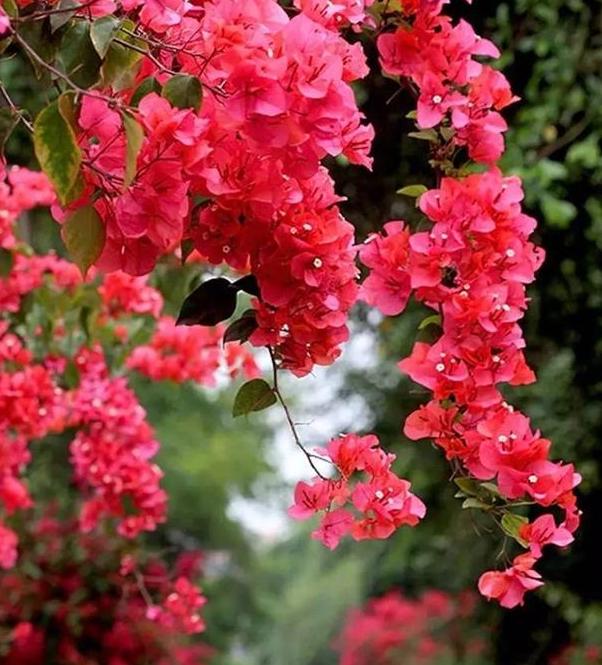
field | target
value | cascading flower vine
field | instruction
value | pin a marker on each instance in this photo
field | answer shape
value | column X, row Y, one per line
column 472, row 268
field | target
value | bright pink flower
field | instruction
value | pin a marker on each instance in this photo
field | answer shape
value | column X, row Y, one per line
column 510, row 586
column 333, row 526
column 543, row 531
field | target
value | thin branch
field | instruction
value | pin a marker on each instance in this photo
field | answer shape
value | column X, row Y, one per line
column 14, row 108
column 310, row 456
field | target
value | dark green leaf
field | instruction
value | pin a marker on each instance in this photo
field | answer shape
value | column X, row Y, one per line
column 425, row 135
column 78, row 55
column 475, row 504
column 121, row 63
column 38, row 36
column 241, row 329
column 469, row 486
column 134, row 137
column 84, row 237
column 183, row 91
column 148, row 85
column 102, row 33
column 56, row 149
column 209, row 304
column 186, row 249
column 254, row 395
column 6, row 262
column 491, row 488
column 61, row 17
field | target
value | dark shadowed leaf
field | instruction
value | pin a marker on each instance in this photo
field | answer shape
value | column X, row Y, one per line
column 254, row 395
column 6, row 262
column 209, row 304
column 248, row 284
column 148, row 85
column 62, row 15
column 121, row 63
column 241, row 329
column 78, row 56
column 102, row 33
column 183, row 91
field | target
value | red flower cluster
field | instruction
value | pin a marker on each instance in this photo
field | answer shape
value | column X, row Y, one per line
column 382, row 501
column 55, row 378
column 66, row 602
column 472, row 268
column 454, row 89
column 190, row 354
column 277, row 101
column 390, row 629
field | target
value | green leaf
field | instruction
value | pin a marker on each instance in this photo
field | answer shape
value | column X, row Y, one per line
column 39, row 37
column 447, row 133
column 469, row 486
column 121, row 63
column 78, row 56
column 254, row 395
column 134, row 139
column 413, row 190
column 6, row 262
column 512, row 523
column 492, row 488
column 425, row 135
column 11, row 8
column 432, row 320
column 241, row 329
column 56, row 149
column 475, row 504
column 60, row 18
column 84, row 237
column 102, row 33
column 148, row 85
column 183, row 91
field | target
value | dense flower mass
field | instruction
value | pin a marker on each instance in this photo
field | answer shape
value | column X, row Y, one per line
column 378, row 501
column 93, row 612
column 431, row 629
column 472, row 267
column 64, row 379
column 277, row 101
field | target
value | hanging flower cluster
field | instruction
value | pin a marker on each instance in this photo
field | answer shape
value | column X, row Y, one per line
column 240, row 178
column 68, row 601
column 471, row 267
column 379, row 501
column 434, row 628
